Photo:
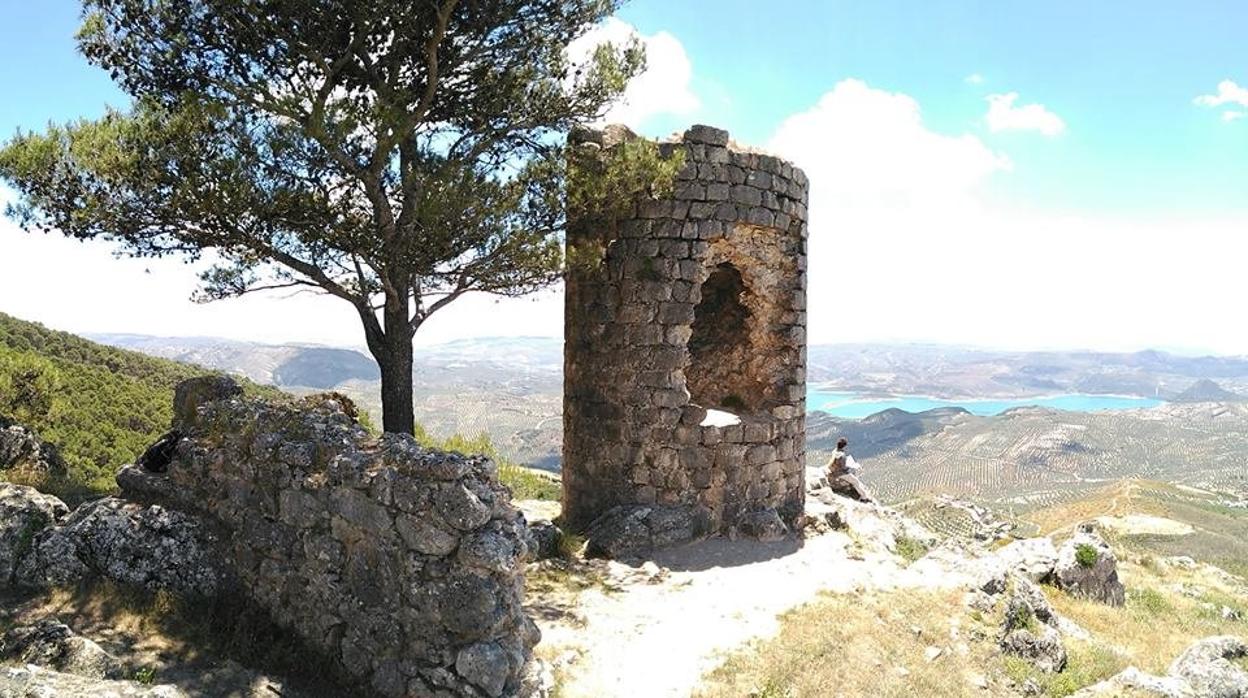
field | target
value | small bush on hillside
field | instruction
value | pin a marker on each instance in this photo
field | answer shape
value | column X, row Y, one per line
column 1086, row 664
column 910, row 549
column 1020, row 616
column 1148, row 601
column 1086, row 555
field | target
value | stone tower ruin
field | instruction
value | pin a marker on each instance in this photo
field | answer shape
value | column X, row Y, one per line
column 685, row 345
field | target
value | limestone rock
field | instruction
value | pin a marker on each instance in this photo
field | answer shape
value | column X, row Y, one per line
column 190, row 394
column 1029, row 628
column 544, row 540
column 1133, row 682
column 146, row 546
column 24, row 512
column 1042, row 647
column 763, row 525
column 879, row 527
column 36, row 682
column 1033, row 558
column 52, row 645
column 1087, row 567
column 628, row 531
column 1207, row 666
column 21, row 448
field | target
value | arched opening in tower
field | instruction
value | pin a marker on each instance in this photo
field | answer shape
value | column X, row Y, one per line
column 720, row 346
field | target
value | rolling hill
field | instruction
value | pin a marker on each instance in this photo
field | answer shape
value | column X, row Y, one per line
column 100, row 405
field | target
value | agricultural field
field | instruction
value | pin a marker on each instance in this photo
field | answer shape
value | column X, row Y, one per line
column 1032, row 458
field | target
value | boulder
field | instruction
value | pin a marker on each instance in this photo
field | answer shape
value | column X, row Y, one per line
column 629, row 531
column 36, row 682
column 21, row 448
column 146, row 546
column 1029, row 628
column 763, row 525
column 544, row 539
column 52, row 645
column 24, row 512
column 1033, row 558
column 1133, row 682
column 1208, row 667
column 1041, row 647
column 1087, row 567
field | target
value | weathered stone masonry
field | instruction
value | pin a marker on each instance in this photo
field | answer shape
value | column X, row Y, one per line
column 404, row 566
column 698, row 302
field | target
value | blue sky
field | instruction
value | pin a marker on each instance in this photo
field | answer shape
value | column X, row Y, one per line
column 1045, row 168
column 1122, row 74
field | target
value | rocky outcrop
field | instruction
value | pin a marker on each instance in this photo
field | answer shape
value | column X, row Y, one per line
column 36, row 682
column 1086, row 566
column 544, row 540
column 1029, row 628
column 52, row 645
column 1207, row 666
column 147, row 546
column 1204, row 670
column 879, row 525
column 24, row 512
column 402, row 566
column 22, row 449
column 1033, row 558
column 764, row 525
column 629, row 531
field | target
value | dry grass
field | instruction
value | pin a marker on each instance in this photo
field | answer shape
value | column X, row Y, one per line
column 1157, row 622
column 858, row 645
column 159, row 635
column 1086, row 663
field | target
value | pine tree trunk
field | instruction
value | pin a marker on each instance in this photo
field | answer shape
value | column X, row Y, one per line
column 397, row 413
column 394, row 357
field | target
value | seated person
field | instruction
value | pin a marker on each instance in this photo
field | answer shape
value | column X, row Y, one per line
column 841, row 477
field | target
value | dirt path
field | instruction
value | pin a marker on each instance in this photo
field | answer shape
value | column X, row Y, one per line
column 656, row 630
column 657, row 637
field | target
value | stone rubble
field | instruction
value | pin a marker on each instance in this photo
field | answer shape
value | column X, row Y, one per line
column 51, row 644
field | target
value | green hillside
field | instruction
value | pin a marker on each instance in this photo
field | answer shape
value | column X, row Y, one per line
column 101, row 406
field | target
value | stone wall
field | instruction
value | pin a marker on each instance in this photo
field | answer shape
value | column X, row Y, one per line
column 697, row 302
column 402, row 565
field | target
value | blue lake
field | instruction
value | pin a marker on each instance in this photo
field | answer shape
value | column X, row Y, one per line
column 856, row 405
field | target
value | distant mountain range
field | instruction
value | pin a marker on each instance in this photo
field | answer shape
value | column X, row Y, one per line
column 511, row 388
column 911, row 369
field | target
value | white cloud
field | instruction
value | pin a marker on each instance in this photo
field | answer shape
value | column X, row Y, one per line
column 664, row 87
column 974, row 79
column 869, row 145
column 1229, row 116
column 906, row 245
column 1004, row 116
column 1228, row 93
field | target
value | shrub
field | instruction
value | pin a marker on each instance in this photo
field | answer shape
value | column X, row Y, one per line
column 1148, row 601
column 910, row 549
column 1086, row 555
